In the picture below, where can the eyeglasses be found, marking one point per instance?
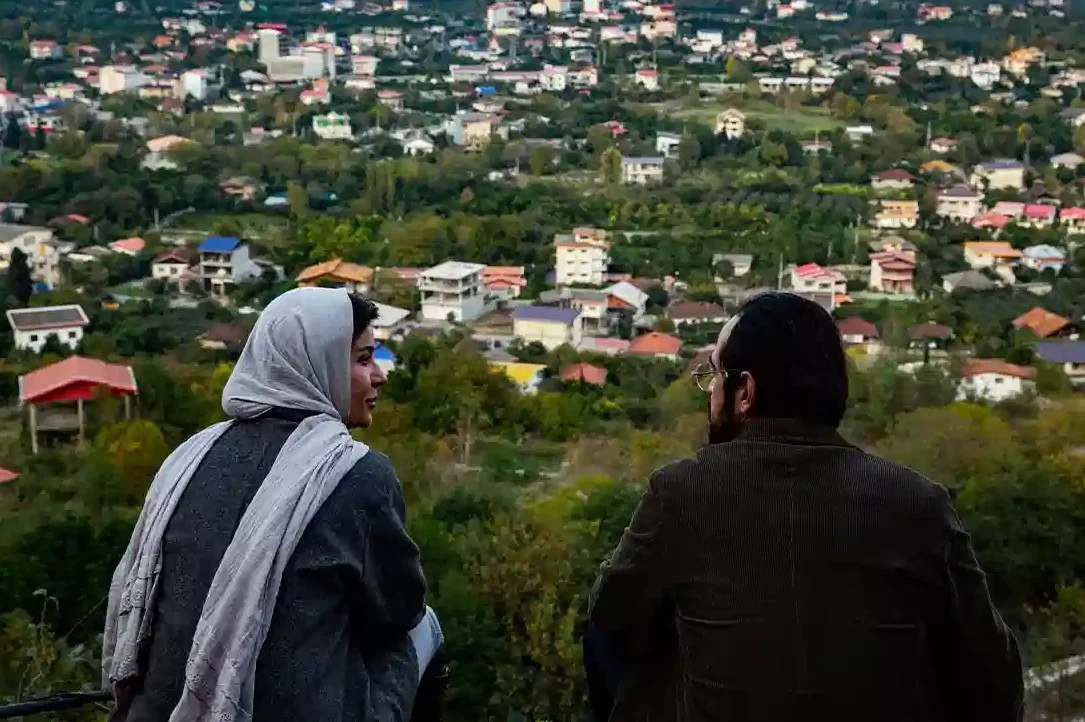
(705, 373)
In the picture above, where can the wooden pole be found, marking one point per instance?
(34, 429)
(127, 407)
(79, 414)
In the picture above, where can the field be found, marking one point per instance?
(803, 122)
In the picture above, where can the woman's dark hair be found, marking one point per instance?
(364, 312)
(791, 347)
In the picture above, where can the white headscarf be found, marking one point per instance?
(297, 357)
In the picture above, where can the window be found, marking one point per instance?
(999, 380)
(33, 337)
(72, 334)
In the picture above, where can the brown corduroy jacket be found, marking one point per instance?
(788, 575)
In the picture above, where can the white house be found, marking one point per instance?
(624, 296)
(453, 289)
(812, 278)
(642, 170)
(418, 144)
(582, 257)
(391, 322)
(730, 123)
(994, 380)
(959, 203)
(667, 144)
(34, 326)
(333, 126)
(172, 265)
(41, 249)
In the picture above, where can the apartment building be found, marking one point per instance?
(453, 290)
(582, 257)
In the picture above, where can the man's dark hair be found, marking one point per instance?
(792, 348)
(364, 312)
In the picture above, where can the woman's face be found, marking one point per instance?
(366, 378)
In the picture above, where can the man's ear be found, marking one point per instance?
(747, 394)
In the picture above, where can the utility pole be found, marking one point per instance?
(157, 227)
(780, 274)
(928, 134)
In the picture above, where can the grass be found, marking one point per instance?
(804, 121)
(252, 224)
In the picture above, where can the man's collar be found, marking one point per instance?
(790, 431)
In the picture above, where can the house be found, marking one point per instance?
(857, 330)
(1012, 209)
(999, 174)
(1042, 257)
(1074, 117)
(41, 249)
(895, 179)
(417, 144)
(242, 187)
(1072, 220)
(223, 336)
(966, 281)
(332, 126)
(527, 377)
(472, 130)
(391, 322)
(647, 78)
(892, 242)
(582, 257)
(1043, 323)
(943, 146)
(224, 261)
(392, 99)
(994, 380)
(45, 50)
(929, 334)
(741, 263)
(690, 312)
(548, 325)
(605, 345)
(987, 254)
(892, 272)
(585, 373)
(959, 203)
(667, 144)
(33, 327)
(1067, 160)
(337, 272)
(642, 169)
(624, 296)
(991, 219)
(384, 358)
(128, 246)
(453, 290)
(657, 345)
(897, 214)
(730, 123)
(172, 265)
(1038, 216)
(504, 282)
(812, 278)
(1070, 355)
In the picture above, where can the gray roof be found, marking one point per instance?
(643, 160)
(546, 313)
(11, 231)
(969, 279)
(1061, 352)
(30, 319)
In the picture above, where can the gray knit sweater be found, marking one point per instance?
(337, 648)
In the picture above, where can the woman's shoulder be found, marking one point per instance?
(372, 477)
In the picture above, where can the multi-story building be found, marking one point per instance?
(42, 252)
(453, 290)
(549, 325)
(893, 272)
(120, 79)
(223, 262)
(472, 130)
(988, 254)
(897, 214)
(642, 170)
(959, 203)
(998, 174)
(582, 257)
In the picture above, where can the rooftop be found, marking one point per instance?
(655, 344)
(1041, 322)
(981, 366)
(46, 317)
(1061, 352)
(551, 314)
(220, 244)
(452, 271)
(44, 383)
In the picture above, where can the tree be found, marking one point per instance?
(689, 151)
(773, 153)
(298, 200)
(610, 163)
(1079, 139)
(19, 280)
(539, 160)
(736, 71)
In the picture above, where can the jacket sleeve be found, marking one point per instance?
(631, 588)
(978, 662)
(391, 592)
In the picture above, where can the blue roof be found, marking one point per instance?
(546, 313)
(1002, 164)
(383, 353)
(1043, 250)
(1061, 352)
(486, 90)
(219, 244)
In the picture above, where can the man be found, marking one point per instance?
(784, 574)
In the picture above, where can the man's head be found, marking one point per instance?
(780, 356)
(366, 377)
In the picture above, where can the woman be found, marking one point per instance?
(270, 575)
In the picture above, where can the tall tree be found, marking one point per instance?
(19, 281)
(610, 163)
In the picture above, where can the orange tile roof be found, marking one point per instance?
(655, 344)
(978, 366)
(1041, 322)
(1002, 249)
(75, 369)
(588, 373)
(336, 269)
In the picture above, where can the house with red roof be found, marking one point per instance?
(128, 246)
(994, 380)
(1044, 323)
(895, 179)
(586, 373)
(893, 272)
(991, 219)
(1072, 220)
(857, 330)
(656, 345)
(1039, 216)
(504, 281)
(810, 277)
(687, 312)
